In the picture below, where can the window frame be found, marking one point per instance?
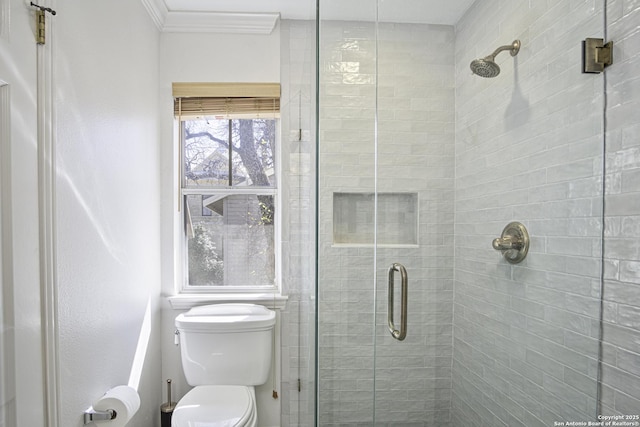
(267, 292)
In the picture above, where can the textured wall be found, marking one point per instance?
(621, 333)
(415, 98)
(528, 148)
(107, 205)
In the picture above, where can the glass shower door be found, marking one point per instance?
(385, 206)
(346, 215)
(415, 221)
(422, 164)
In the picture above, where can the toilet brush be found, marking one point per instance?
(166, 409)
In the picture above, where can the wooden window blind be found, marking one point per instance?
(226, 100)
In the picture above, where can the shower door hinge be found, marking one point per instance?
(596, 55)
(40, 27)
(41, 22)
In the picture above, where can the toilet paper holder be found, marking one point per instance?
(91, 415)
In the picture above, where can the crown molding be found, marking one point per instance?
(215, 22)
(158, 11)
(209, 22)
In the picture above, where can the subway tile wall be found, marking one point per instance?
(529, 149)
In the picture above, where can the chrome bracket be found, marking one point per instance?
(91, 415)
(514, 242)
(596, 55)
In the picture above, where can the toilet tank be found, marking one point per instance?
(226, 344)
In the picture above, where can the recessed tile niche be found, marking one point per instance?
(353, 219)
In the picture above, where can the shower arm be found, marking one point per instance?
(513, 47)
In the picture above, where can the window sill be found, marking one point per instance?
(187, 301)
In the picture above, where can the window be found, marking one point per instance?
(228, 190)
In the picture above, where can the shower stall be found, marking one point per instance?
(421, 164)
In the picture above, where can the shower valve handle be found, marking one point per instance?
(507, 243)
(514, 242)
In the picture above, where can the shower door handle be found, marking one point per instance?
(402, 333)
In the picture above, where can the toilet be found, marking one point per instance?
(226, 351)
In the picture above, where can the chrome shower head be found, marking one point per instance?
(487, 67)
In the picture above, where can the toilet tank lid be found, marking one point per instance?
(227, 317)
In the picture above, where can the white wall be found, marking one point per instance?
(107, 199)
(204, 57)
(101, 249)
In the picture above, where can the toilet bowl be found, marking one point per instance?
(226, 351)
(216, 406)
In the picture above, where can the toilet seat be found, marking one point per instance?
(216, 406)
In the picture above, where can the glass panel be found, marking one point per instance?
(253, 148)
(346, 161)
(230, 240)
(415, 144)
(298, 154)
(206, 152)
(489, 343)
(621, 327)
